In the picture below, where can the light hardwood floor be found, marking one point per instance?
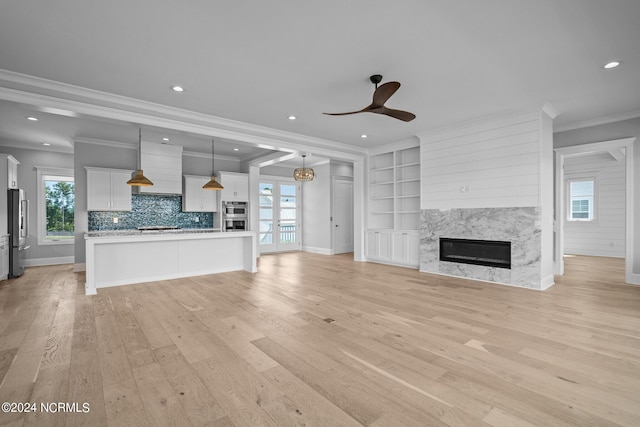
(403, 348)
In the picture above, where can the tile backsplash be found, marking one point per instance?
(150, 210)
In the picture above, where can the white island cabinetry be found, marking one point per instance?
(117, 259)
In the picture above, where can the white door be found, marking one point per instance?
(342, 216)
(279, 216)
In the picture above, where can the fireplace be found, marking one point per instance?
(490, 253)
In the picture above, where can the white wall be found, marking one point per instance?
(497, 159)
(316, 211)
(606, 235)
(27, 180)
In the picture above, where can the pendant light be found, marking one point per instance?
(139, 180)
(303, 173)
(212, 184)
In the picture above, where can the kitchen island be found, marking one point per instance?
(127, 257)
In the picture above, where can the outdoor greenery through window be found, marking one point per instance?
(60, 207)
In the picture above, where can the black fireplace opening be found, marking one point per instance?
(490, 253)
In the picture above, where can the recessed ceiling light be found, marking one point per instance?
(363, 136)
(177, 88)
(166, 139)
(612, 64)
(292, 117)
(33, 119)
(236, 149)
(46, 144)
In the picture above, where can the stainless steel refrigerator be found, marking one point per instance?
(18, 228)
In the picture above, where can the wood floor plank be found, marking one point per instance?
(323, 340)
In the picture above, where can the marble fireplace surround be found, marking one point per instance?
(519, 225)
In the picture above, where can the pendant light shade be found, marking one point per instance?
(303, 173)
(139, 180)
(213, 184)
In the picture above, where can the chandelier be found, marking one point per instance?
(303, 173)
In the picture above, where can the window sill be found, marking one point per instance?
(56, 242)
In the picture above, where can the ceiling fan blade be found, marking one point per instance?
(405, 116)
(383, 93)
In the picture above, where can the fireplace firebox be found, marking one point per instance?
(490, 253)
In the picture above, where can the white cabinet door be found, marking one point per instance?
(107, 189)
(406, 248)
(4, 255)
(120, 191)
(12, 172)
(197, 199)
(98, 190)
(236, 186)
(379, 245)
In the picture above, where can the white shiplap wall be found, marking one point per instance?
(606, 235)
(497, 160)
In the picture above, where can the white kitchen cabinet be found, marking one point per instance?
(8, 179)
(197, 199)
(236, 186)
(162, 165)
(4, 260)
(405, 248)
(12, 172)
(107, 189)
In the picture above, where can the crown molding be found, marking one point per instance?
(32, 90)
(51, 148)
(114, 144)
(596, 122)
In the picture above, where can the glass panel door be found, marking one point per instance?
(279, 216)
(266, 199)
(288, 217)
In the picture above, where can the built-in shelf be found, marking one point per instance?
(394, 190)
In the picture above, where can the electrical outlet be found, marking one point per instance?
(115, 219)
(196, 219)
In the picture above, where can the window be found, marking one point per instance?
(581, 199)
(56, 206)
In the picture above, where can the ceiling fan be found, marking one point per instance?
(380, 96)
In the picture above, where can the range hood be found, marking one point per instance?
(162, 164)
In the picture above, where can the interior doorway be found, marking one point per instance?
(561, 200)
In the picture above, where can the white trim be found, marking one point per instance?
(37, 262)
(598, 121)
(321, 251)
(79, 267)
(130, 110)
(547, 282)
(582, 149)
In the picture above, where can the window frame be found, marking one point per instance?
(45, 174)
(581, 178)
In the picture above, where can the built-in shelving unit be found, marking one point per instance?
(394, 206)
(394, 190)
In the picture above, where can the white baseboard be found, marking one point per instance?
(547, 282)
(37, 262)
(79, 267)
(322, 251)
(634, 279)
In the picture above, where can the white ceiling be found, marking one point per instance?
(258, 62)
